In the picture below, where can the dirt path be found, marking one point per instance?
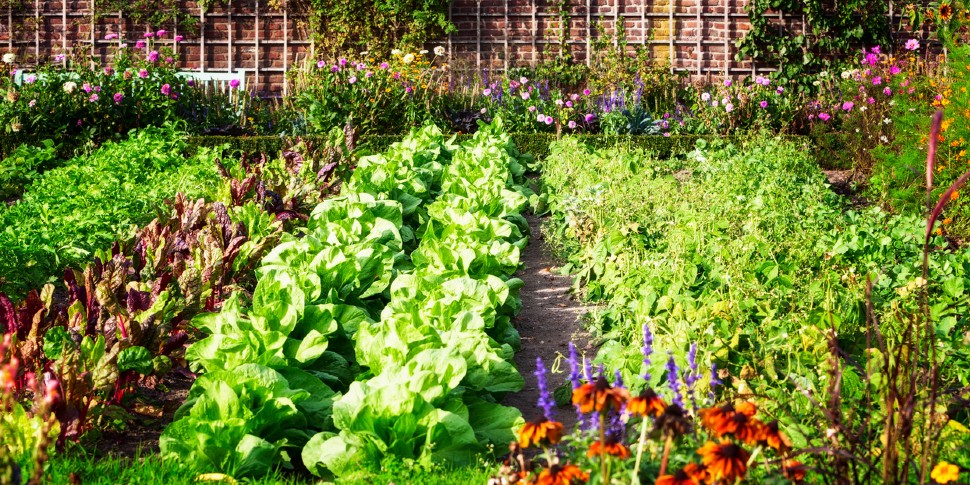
(549, 320)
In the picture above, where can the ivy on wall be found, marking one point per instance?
(838, 29)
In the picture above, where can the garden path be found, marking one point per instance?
(550, 318)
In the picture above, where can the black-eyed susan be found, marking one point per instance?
(697, 472)
(774, 438)
(647, 403)
(725, 461)
(673, 421)
(718, 418)
(747, 408)
(610, 447)
(946, 12)
(793, 470)
(679, 478)
(945, 472)
(562, 475)
(541, 432)
(599, 396)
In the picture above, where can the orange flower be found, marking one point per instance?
(672, 422)
(774, 438)
(946, 12)
(679, 478)
(945, 472)
(718, 418)
(747, 408)
(541, 432)
(697, 472)
(648, 403)
(562, 475)
(726, 461)
(793, 470)
(599, 396)
(612, 447)
(749, 430)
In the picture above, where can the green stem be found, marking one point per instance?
(641, 445)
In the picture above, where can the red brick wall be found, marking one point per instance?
(697, 36)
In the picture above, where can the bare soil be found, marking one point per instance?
(844, 184)
(550, 318)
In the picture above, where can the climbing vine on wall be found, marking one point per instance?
(838, 28)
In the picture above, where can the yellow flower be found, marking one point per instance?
(945, 472)
(955, 195)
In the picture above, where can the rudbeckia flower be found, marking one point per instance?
(562, 475)
(540, 433)
(648, 403)
(793, 470)
(610, 447)
(725, 461)
(599, 396)
(774, 438)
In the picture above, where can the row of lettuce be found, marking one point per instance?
(383, 329)
(746, 253)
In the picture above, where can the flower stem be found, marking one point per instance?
(642, 444)
(663, 461)
(604, 471)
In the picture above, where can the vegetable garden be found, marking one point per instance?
(767, 276)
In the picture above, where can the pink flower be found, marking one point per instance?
(484, 110)
(143, 73)
(894, 70)
(876, 81)
(149, 35)
(118, 97)
(824, 116)
(888, 91)
(153, 56)
(335, 68)
(847, 106)
(108, 71)
(140, 44)
(161, 33)
(912, 44)
(586, 92)
(93, 98)
(179, 38)
(871, 100)
(169, 60)
(233, 84)
(540, 118)
(589, 117)
(729, 107)
(763, 104)
(548, 120)
(569, 104)
(525, 95)
(320, 64)
(111, 36)
(369, 74)
(384, 65)
(876, 50)
(532, 109)
(761, 80)
(352, 79)
(779, 90)
(572, 125)
(166, 89)
(86, 87)
(727, 83)
(523, 80)
(342, 62)
(574, 97)
(361, 66)
(487, 92)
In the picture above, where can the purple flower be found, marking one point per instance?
(59, 58)
(93, 98)
(149, 35)
(586, 92)
(763, 104)
(727, 83)
(408, 90)
(352, 79)
(548, 120)
(118, 97)
(335, 68)
(234, 83)
(912, 44)
(546, 403)
(779, 90)
(847, 106)
(876, 81)
(153, 56)
(589, 117)
(617, 378)
(647, 351)
(342, 62)
(714, 382)
(888, 91)
(320, 64)
(108, 71)
(673, 381)
(179, 38)
(140, 44)
(872, 59)
(166, 89)
(574, 366)
(190, 82)
(161, 33)
(824, 116)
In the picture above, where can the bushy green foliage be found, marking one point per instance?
(70, 212)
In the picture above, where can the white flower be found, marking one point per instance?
(395, 52)
(409, 58)
(706, 97)
(883, 139)
(887, 121)
(423, 51)
(362, 54)
(15, 126)
(69, 87)
(862, 108)
(9, 58)
(846, 74)
(816, 83)
(439, 51)
(823, 74)
(714, 103)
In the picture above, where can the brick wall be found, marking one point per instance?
(697, 36)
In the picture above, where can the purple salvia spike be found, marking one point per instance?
(673, 381)
(545, 401)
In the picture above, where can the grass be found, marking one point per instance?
(78, 466)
